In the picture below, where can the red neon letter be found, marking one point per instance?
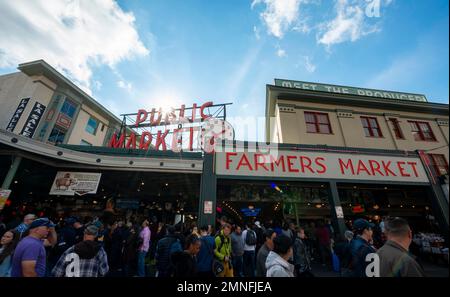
(244, 162)
(262, 164)
(362, 167)
(346, 166)
(375, 169)
(413, 165)
(131, 141)
(227, 159)
(116, 143)
(277, 162)
(152, 117)
(386, 168)
(141, 116)
(161, 140)
(308, 165)
(290, 169)
(204, 105)
(402, 170)
(318, 163)
(143, 144)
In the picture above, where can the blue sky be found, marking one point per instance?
(143, 54)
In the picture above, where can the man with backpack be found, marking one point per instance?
(164, 249)
(205, 256)
(250, 240)
(223, 252)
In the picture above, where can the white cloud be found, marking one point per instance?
(281, 53)
(97, 85)
(279, 15)
(124, 85)
(309, 66)
(73, 36)
(256, 31)
(348, 25)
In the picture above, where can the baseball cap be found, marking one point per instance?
(91, 230)
(41, 222)
(361, 224)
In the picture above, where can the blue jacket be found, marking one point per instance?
(206, 254)
(359, 249)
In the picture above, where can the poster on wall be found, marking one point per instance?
(71, 183)
(208, 207)
(4, 195)
(33, 120)
(17, 114)
(339, 212)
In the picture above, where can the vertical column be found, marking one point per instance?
(335, 203)
(11, 172)
(208, 191)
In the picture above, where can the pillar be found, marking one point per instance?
(11, 172)
(208, 191)
(336, 202)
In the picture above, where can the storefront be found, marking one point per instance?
(58, 181)
(308, 183)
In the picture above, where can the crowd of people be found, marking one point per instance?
(107, 246)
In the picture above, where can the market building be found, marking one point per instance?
(55, 137)
(335, 153)
(343, 153)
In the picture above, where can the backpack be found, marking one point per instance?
(250, 238)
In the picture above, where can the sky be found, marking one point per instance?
(162, 53)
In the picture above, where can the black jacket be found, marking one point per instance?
(184, 265)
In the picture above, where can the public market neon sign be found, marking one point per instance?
(178, 122)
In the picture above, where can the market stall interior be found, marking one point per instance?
(300, 202)
(163, 197)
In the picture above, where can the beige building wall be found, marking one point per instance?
(347, 129)
(79, 130)
(16, 86)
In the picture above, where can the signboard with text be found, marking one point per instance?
(349, 90)
(320, 165)
(71, 183)
(4, 195)
(33, 120)
(17, 114)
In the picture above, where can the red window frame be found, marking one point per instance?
(369, 127)
(397, 129)
(439, 162)
(317, 124)
(419, 133)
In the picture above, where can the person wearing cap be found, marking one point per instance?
(23, 227)
(395, 258)
(360, 247)
(85, 259)
(29, 258)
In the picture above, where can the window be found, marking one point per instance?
(397, 130)
(371, 127)
(92, 126)
(57, 135)
(84, 142)
(422, 131)
(68, 108)
(317, 122)
(439, 163)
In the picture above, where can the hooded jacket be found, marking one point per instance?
(278, 267)
(85, 259)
